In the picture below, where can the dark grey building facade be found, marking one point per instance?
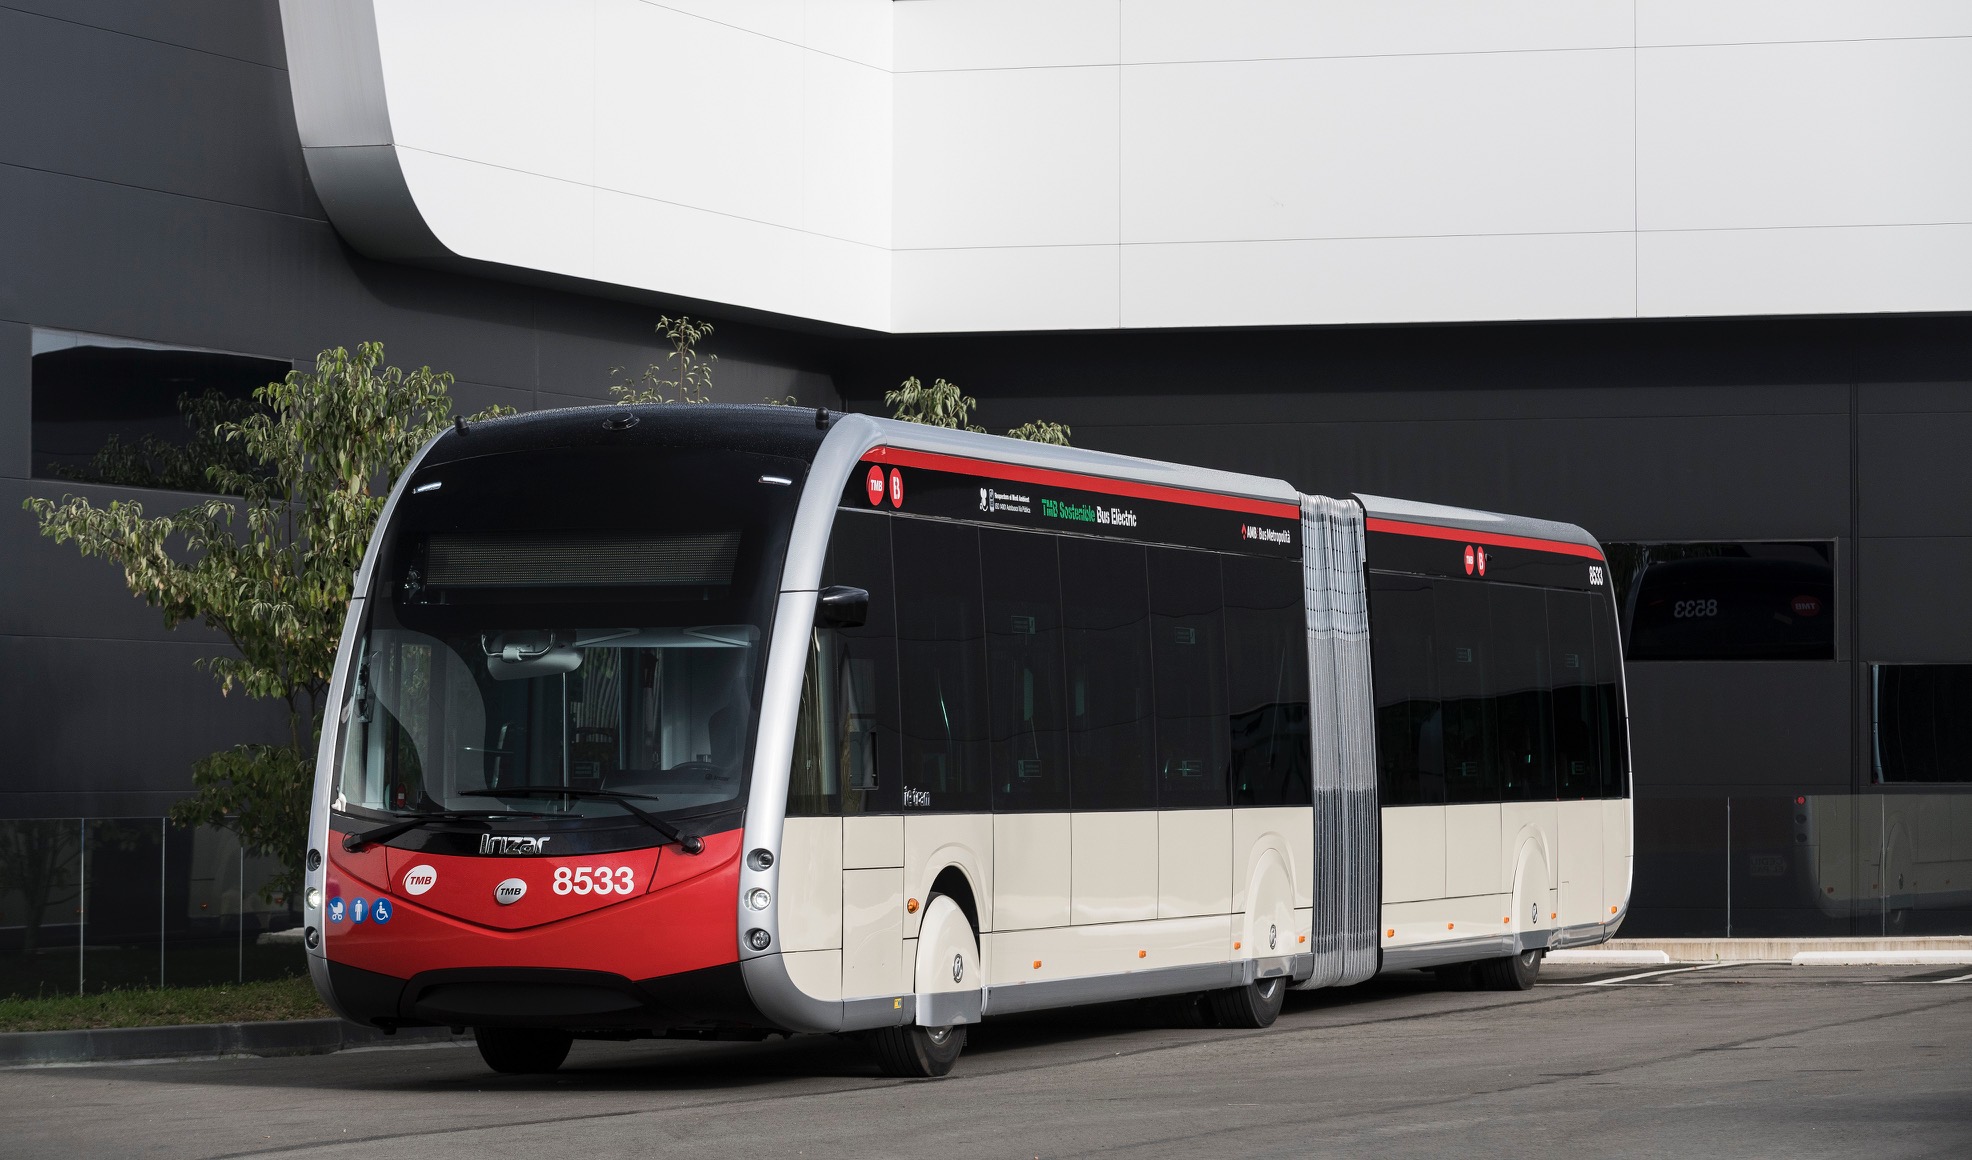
(153, 196)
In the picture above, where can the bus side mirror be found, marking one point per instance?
(840, 606)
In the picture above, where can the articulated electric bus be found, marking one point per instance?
(715, 722)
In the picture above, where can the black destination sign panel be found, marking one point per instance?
(1053, 502)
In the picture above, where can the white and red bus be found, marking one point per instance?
(726, 721)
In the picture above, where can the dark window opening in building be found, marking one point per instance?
(110, 410)
(1721, 601)
(1920, 725)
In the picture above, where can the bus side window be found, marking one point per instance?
(1610, 733)
(1188, 668)
(1106, 610)
(1578, 756)
(845, 748)
(941, 644)
(1464, 657)
(1267, 682)
(1523, 700)
(1024, 671)
(1410, 743)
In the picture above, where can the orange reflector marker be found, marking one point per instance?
(1612, 910)
(1037, 964)
(911, 907)
(1391, 933)
(1304, 938)
(1553, 914)
(1448, 926)
(1142, 954)
(1506, 918)
(1235, 944)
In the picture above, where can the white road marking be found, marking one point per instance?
(1651, 975)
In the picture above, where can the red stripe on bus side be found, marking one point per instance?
(1467, 536)
(1016, 474)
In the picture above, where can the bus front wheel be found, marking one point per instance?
(522, 1050)
(917, 1052)
(1255, 1005)
(1512, 973)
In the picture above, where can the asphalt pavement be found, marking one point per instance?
(1738, 1060)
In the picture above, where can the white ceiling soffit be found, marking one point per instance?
(1000, 165)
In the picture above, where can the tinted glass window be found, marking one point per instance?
(1611, 732)
(115, 411)
(1522, 700)
(1410, 744)
(1727, 601)
(1105, 599)
(1923, 722)
(1267, 681)
(1188, 668)
(1463, 654)
(845, 747)
(1024, 672)
(1579, 741)
(941, 646)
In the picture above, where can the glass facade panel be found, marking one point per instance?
(122, 903)
(40, 906)
(1726, 600)
(202, 886)
(1921, 722)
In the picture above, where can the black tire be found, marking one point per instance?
(1253, 1006)
(1512, 973)
(522, 1050)
(917, 1052)
(1457, 976)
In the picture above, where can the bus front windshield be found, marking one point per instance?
(445, 722)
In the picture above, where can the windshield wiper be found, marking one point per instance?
(389, 830)
(686, 842)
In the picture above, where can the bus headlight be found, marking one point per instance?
(313, 897)
(757, 899)
(760, 859)
(759, 939)
(313, 938)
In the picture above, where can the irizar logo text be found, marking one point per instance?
(503, 844)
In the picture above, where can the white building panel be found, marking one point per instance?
(952, 165)
(1009, 288)
(1187, 30)
(1417, 146)
(1770, 21)
(1005, 157)
(1757, 136)
(1474, 278)
(941, 35)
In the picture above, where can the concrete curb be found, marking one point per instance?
(204, 1041)
(1866, 951)
(1618, 958)
(1891, 958)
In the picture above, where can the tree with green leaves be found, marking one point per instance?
(684, 377)
(942, 404)
(271, 569)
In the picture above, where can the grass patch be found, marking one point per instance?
(166, 1007)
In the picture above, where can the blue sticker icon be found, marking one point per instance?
(335, 910)
(380, 911)
(356, 909)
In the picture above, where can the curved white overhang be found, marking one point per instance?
(965, 165)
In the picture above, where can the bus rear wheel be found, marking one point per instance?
(917, 1052)
(1253, 1006)
(1512, 973)
(522, 1050)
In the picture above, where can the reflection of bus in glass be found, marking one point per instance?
(721, 722)
(1733, 602)
(1893, 864)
